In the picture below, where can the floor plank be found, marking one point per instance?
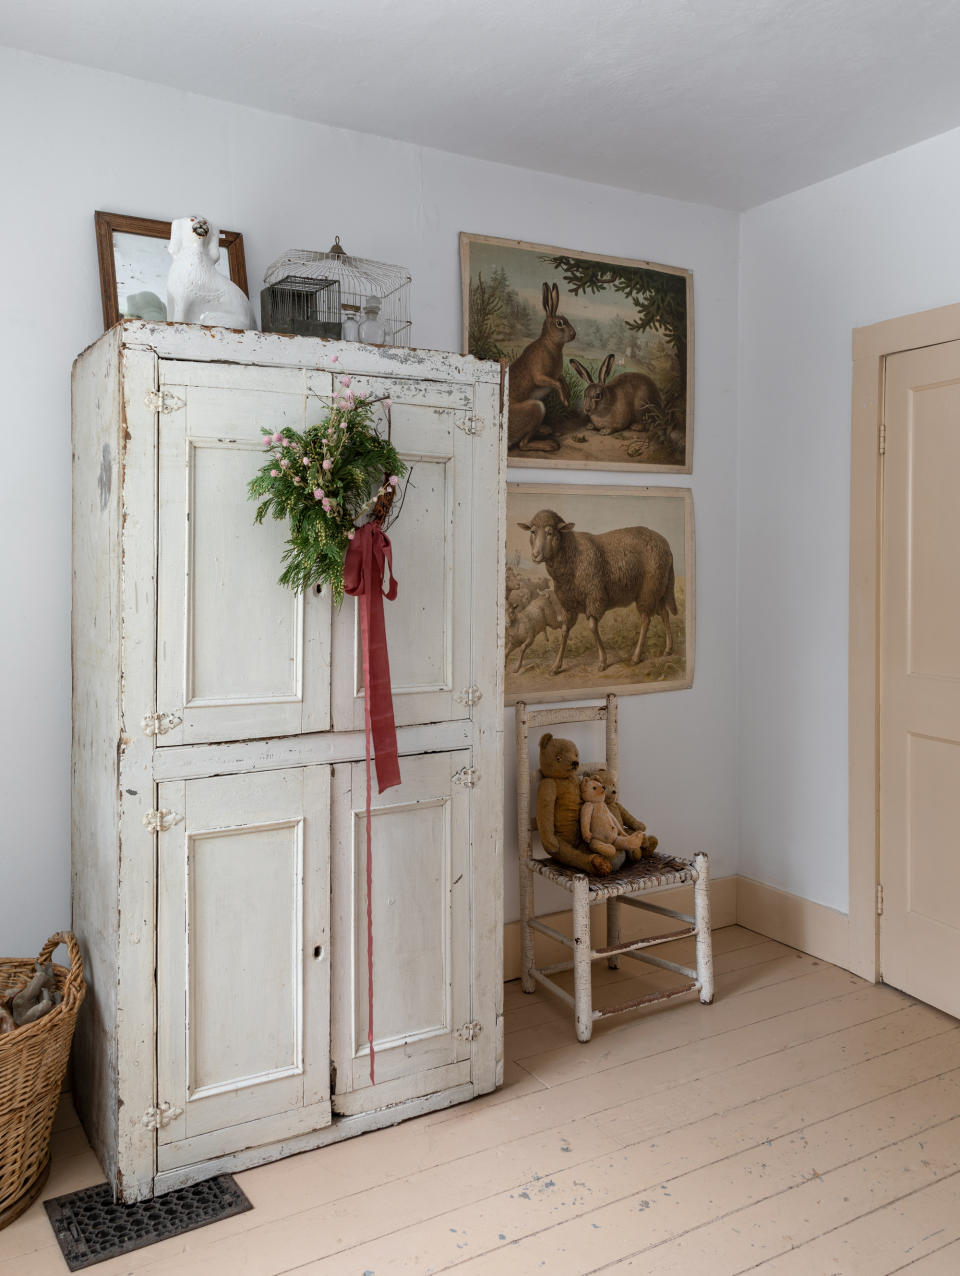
(806, 1124)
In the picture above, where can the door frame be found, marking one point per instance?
(872, 346)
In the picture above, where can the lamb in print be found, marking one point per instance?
(527, 623)
(593, 573)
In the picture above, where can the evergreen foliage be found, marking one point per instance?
(324, 481)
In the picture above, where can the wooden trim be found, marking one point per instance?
(907, 332)
(634, 924)
(802, 923)
(871, 347)
(107, 223)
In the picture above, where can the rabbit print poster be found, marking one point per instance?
(600, 591)
(600, 351)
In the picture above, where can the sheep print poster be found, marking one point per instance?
(600, 352)
(600, 591)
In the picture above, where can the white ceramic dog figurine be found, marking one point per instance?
(196, 291)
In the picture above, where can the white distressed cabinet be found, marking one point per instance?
(219, 794)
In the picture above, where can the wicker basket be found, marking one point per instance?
(33, 1061)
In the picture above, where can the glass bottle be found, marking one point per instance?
(349, 324)
(372, 330)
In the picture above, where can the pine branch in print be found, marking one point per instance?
(600, 352)
(600, 591)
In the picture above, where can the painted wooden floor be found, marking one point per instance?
(806, 1124)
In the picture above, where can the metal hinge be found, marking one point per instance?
(879, 899)
(159, 1117)
(471, 425)
(160, 723)
(883, 437)
(470, 1031)
(469, 697)
(160, 821)
(468, 776)
(163, 401)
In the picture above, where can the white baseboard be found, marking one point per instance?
(813, 928)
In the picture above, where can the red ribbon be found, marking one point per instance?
(367, 555)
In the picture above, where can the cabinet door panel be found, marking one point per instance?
(421, 943)
(428, 625)
(238, 656)
(243, 968)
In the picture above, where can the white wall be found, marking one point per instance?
(878, 241)
(75, 140)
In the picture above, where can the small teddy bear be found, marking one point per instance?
(629, 822)
(600, 827)
(558, 809)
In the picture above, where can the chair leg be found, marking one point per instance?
(701, 909)
(613, 929)
(527, 981)
(581, 958)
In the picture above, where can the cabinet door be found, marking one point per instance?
(238, 656)
(243, 972)
(428, 625)
(421, 940)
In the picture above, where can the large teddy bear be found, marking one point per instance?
(601, 828)
(629, 822)
(558, 810)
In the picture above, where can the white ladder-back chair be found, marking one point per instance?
(625, 886)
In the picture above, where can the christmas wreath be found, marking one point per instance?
(325, 481)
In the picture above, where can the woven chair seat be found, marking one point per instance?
(648, 874)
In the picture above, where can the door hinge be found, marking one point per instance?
(469, 697)
(883, 437)
(163, 401)
(159, 1117)
(470, 1031)
(160, 821)
(470, 425)
(879, 899)
(468, 776)
(161, 723)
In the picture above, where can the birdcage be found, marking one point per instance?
(335, 295)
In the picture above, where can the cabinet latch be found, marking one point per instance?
(468, 776)
(470, 1031)
(161, 723)
(469, 697)
(160, 821)
(163, 401)
(470, 424)
(159, 1117)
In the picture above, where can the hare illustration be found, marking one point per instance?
(537, 370)
(619, 405)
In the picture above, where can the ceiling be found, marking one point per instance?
(726, 102)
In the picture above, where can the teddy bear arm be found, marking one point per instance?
(546, 800)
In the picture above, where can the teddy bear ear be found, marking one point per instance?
(545, 740)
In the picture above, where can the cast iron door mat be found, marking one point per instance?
(90, 1228)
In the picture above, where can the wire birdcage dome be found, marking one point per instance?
(329, 290)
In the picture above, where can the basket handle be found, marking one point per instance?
(74, 983)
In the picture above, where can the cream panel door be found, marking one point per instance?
(422, 940)
(243, 969)
(428, 625)
(920, 677)
(238, 656)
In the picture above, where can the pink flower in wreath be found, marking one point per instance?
(274, 473)
(318, 493)
(351, 534)
(326, 506)
(334, 358)
(268, 441)
(394, 480)
(285, 464)
(276, 438)
(388, 403)
(345, 382)
(328, 464)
